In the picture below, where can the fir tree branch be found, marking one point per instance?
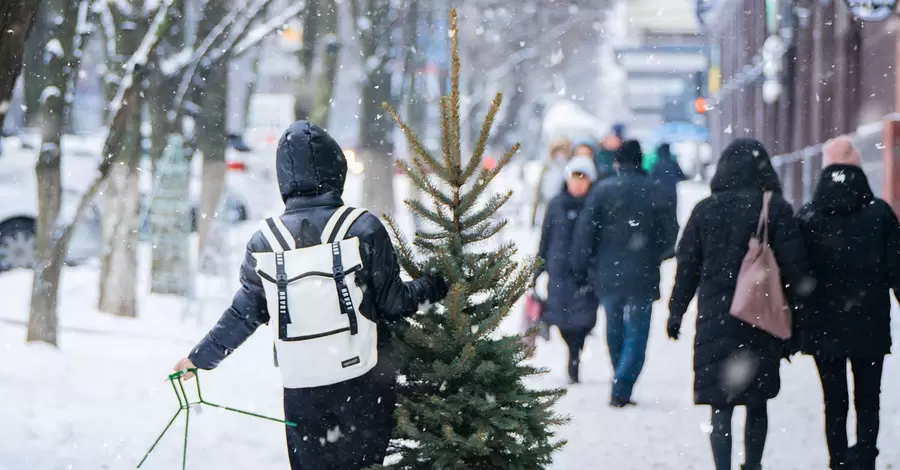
(419, 208)
(419, 177)
(480, 146)
(412, 139)
(482, 231)
(407, 256)
(490, 208)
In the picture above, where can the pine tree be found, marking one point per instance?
(464, 403)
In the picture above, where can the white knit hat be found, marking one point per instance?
(583, 165)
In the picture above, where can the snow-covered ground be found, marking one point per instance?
(99, 401)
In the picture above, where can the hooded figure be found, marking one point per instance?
(666, 172)
(552, 176)
(622, 236)
(853, 241)
(311, 170)
(734, 362)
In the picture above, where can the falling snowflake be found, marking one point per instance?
(838, 177)
(728, 129)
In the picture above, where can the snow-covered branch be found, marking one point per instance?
(108, 25)
(121, 106)
(233, 46)
(259, 33)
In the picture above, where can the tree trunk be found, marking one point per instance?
(119, 227)
(304, 93)
(212, 143)
(16, 20)
(331, 53)
(49, 252)
(376, 145)
(122, 197)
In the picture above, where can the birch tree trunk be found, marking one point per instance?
(212, 142)
(331, 52)
(375, 139)
(122, 197)
(17, 18)
(119, 227)
(42, 318)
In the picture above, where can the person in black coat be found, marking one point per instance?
(667, 173)
(569, 306)
(625, 231)
(853, 241)
(735, 364)
(311, 170)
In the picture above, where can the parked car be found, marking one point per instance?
(18, 226)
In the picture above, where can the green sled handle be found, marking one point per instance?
(185, 404)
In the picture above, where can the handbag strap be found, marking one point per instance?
(762, 227)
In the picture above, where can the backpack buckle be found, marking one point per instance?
(338, 273)
(281, 280)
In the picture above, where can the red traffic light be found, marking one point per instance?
(700, 105)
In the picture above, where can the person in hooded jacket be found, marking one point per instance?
(622, 236)
(853, 241)
(735, 364)
(570, 307)
(667, 173)
(355, 416)
(604, 156)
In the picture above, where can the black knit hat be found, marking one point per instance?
(629, 154)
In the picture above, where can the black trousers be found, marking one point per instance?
(343, 426)
(867, 396)
(755, 431)
(574, 339)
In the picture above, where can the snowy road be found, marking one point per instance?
(99, 401)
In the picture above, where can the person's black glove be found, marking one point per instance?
(437, 287)
(673, 327)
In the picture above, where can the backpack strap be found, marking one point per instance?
(335, 231)
(341, 231)
(274, 234)
(334, 222)
(276, 240)
(343, 292)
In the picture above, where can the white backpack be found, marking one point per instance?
(313, 300)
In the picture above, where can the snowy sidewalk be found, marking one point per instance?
(100, 400)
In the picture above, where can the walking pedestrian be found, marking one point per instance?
(735, 364)
(622, 236)
(853, 241)
(569, 306)
(667, 173)
(339, 385)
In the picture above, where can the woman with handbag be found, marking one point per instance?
(569, 306)
(741, 227)
(853, 239)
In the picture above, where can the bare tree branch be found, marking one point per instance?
(129, 86)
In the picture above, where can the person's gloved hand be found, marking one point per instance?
(673, 327)
(437, 287)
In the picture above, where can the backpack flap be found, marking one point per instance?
(309, 282)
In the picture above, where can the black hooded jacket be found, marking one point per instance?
(311, 170)
(709, 255)
(625, 231)
(853, 240)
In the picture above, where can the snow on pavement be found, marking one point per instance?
(101, 399)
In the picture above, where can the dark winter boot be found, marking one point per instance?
(620, 402)
(751, 467)
(236, 142)
(861, 459)
(573, 371)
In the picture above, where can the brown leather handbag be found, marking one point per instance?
(759, 294)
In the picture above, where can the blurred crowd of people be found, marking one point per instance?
(609, 222)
